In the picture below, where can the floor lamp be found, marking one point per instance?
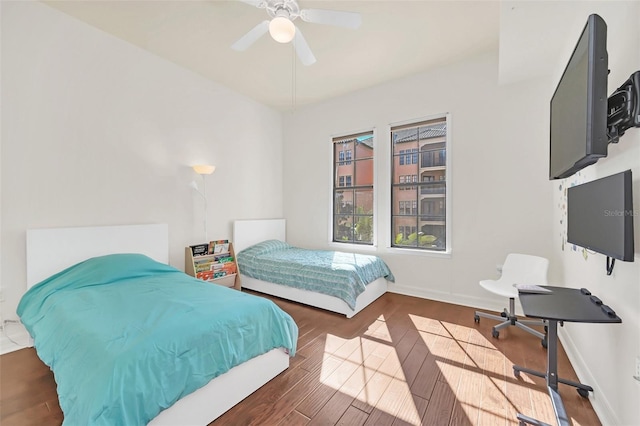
(203, 170)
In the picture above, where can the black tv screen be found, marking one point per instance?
(578, 135)
(600, 216)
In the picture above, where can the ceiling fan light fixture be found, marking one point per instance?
(282, 29)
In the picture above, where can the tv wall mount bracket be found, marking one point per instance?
(623, 108)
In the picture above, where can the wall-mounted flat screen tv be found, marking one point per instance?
(579, 105)
(600, 216)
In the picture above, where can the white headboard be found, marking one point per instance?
(54, 249)
(249, 232)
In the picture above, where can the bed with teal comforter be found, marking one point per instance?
(126, 336)
(334, 273)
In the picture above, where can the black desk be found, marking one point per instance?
(562, 304)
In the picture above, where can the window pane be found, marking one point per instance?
(363, 229)
(364, 172)
(364, 201)
(419, 185)
(401, 195)
(343, 202)
(343, 228)
(364, 147)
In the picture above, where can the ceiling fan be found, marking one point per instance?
(283, 30)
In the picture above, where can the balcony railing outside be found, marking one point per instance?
(432, 189)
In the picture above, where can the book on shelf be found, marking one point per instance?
(200, 249)
(205, 275)
(532, 288)
(219, 246)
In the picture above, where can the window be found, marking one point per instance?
(353, 189)
(419, 185)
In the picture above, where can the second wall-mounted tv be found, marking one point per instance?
(579, 105)
(600, 216)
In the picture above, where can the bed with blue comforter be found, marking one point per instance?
(339, 274)
(126, 336)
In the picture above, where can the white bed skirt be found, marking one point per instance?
(220, 394)
(373, 290)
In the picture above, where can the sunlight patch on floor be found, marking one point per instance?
(370, 368)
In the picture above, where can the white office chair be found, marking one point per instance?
(517, 269)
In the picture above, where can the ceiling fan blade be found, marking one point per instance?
(251, 37)
(332, 17)
(256, 3)
(302, 48)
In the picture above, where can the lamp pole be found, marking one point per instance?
(203, 170)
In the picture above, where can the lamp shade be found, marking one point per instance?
(203, 169)
(282, 29)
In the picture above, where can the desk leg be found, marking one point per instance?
(552, 374)
(552, 355)
(552, 379)
(552, 365)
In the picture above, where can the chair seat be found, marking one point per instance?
(521, 269)
(500, 288)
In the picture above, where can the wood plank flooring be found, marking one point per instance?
(402, 361)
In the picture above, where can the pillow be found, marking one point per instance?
(96, 271)
(106, 269)
(265, 247)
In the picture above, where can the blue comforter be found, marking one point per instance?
(339, 274)
(126, 337)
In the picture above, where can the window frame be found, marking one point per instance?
(375, 160)
(389, 238)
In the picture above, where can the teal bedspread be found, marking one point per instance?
(339, 274)
(126, 336)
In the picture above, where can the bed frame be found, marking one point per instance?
(51, 250)
(249, 232)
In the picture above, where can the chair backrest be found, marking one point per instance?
(525, 269)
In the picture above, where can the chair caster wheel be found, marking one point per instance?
(543, 342)
(583, 393)
(503, 314)
(495, 333)
(516, 373)
(476, 318)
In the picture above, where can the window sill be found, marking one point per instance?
(416, 252)
(389, 250)
(352, 247)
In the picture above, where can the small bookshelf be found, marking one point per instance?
(214, 262)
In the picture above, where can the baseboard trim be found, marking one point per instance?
(456, 299)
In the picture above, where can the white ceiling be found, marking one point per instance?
(396, 39)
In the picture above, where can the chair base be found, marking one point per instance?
(508, 317)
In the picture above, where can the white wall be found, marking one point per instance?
(96, 131)
(605, 355)
(499, 174)
(502, 199)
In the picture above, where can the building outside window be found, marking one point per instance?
(348, 157)
(353, 189)
(419, 185)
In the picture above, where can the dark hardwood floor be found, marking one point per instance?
(401, 361)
